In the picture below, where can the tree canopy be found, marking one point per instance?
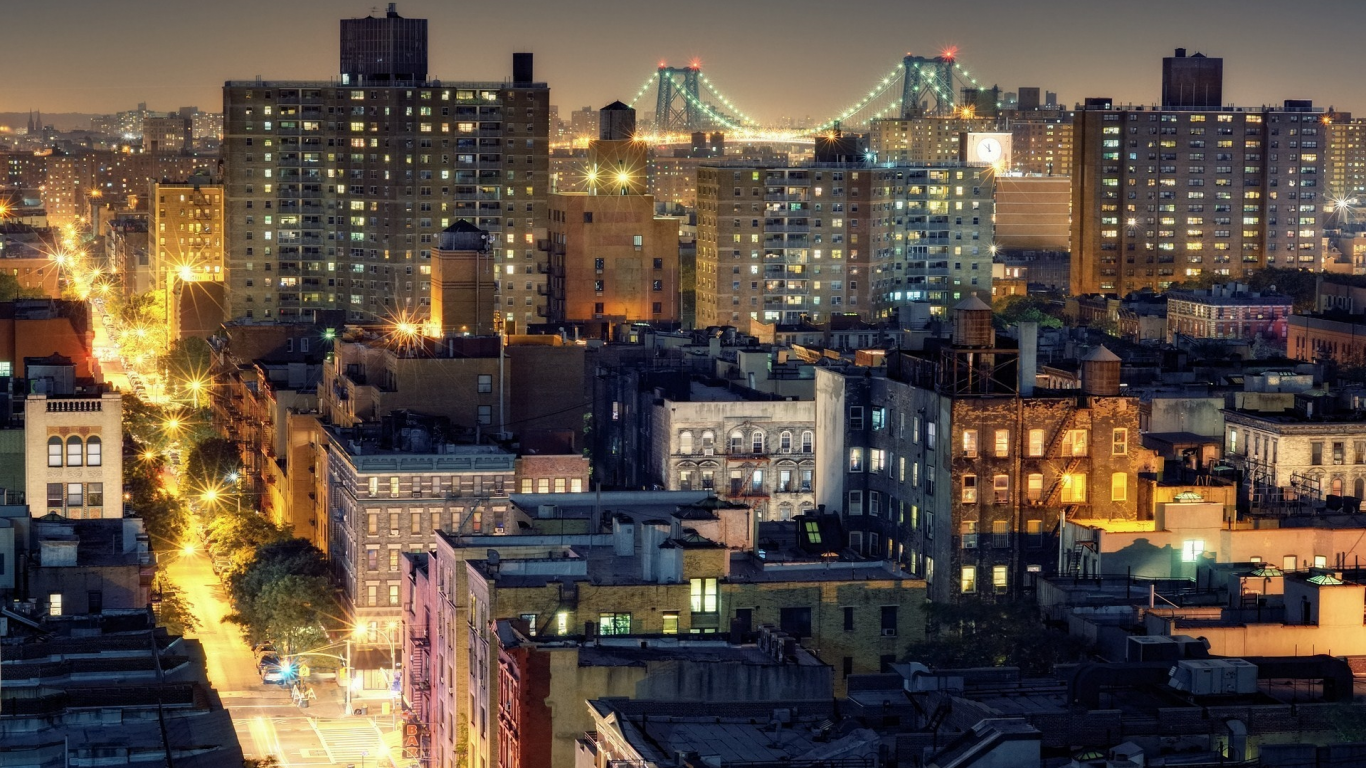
(980, 633)
(283, 594)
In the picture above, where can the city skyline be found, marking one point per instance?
(590, 58)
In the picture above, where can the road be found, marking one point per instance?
(267, 722)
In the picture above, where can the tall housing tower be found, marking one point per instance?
(338, 191)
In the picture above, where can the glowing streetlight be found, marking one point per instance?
(187, 550)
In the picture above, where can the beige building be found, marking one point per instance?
(186, 232)
(73, 450)
(925, 140)
(1345, 166)
(1033, 213)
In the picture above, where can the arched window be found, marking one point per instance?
(785, 442)
(54, 451)
(784, 511)
(685, 442)
(74, 451)
(737, 441)
(808, 441)
(757, 442)
(708, 442)
(1336, 486)
(94, 455)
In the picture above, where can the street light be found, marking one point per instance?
(389, 631)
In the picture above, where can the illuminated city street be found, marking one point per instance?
(726, 385)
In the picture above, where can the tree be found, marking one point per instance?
(10, 290)
(211, 461)
(188, 357)
(1011, 310)
(174, 613)
(283, 594)
(980, 633)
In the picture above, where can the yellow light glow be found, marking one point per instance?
(210, 495)
(623, 177)
(187, 550)
(185, 273)
(359, 631)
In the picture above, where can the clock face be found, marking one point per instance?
(988, 150)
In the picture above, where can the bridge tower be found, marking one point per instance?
(924, 78)
(678, 105)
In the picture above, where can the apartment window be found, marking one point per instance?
(855, 459)
(1338, 453)
(856, 502)
(848, 619)
(670, 623)
(969, 489)
(75, 495)
(94, 494)
(74, 451)
(94, 455)
(54, 451)
(54, 604)
(374, 486)
(1036, 442)
(929, 436)
(393, 486)
(614, 623)
(685, 443)
(795, 622)
(415, 523)
(737, 441)
(1316, 453)
(54, 496)
(1119, 442)
(1119, 487)
(889, 621)
(543, 485)
(877, 460)
(393, 523)
(967, 582)
(485, 383)
(1000, 489)
(393, 594)
(1002, 443)
(856, 417)
(704, 595)
(757, 443)
(485, 415)
(1074, 489)
(1034, 487)
(1191, 550)
(372, 523)
(526, 485)
(1034, 532)
(562, 623)
(970, 443)
(785, 442)
(998, 578)
(808, 441)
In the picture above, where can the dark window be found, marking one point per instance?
(889, 621)
(795, 622)
(848, 665)
(885, 663)
(848, 619)
(587, 217)
(95, 601)
(744, 619)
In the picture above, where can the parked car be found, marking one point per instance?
(266, 660)
(263, 649)
(277, 674)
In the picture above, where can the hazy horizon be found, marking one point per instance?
(98, 57)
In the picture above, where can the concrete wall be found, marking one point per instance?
(830, 448)
(1201, 415)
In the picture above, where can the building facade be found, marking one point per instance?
(1161, 196)
(337, 193)
(778, 244)
(73, 452)
(1227, 312)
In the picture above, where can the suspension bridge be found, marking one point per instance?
(686, 100)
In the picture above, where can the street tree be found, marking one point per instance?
(211, 461)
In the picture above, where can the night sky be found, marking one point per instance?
(794, 58)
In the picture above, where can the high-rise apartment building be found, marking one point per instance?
(775, 244)
(1345, 168)
(923, 139)
(1160, 196)
(337, 193)
(1163, 195)
(1041, 141)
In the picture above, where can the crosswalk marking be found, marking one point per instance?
(346, 740)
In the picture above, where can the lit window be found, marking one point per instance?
(1002, 442)
(1120, 442)
(1191, 550)
(968, 582)
(970, 443)
(1074, 489)
(969, 489)
(704, 594)
(1036, 442)
(1119, 487)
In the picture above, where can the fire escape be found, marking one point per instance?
(1071, 560)
(420, 688)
